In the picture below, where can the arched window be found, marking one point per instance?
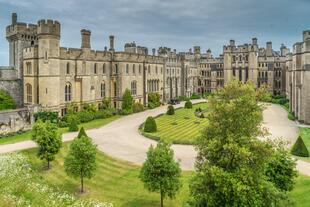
(28, 67)
(103, 68)
(103, 89)
(29, 93)
(68, 68)
(68, 92)
(127, 68)
(95, 68)
(134, 88)
(116, 69)
(134, 69)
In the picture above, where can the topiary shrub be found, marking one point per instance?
(73, 123)
(150, 125)
(188, 105)
(137, 107)
(170, 110)
(86, 116)
(82, 133)
(299, 148)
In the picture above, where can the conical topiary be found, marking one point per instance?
(299, 148)
(170, 110)
(82, 133)
(150, 125)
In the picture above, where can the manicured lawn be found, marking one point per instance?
(115, 181)
(183, 127)
(27, 135)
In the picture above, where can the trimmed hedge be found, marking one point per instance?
(188, 105)
(150, 125)
(170, 110)
(299, 148)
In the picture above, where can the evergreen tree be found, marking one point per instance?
(82, 133)
(299, 148)
(127, 101)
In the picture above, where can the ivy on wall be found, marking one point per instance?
(6, 101)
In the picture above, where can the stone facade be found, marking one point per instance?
(298, 78)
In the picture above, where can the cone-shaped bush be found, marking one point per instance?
(299, 148)
(73, 123)
(188, 105)
(170, 110)
(150, 125)
(82, 133)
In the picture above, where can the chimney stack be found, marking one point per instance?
(111, 43)
(254, 41)
(85, 38)
(232, 43)
(14, 18)
(153, 51)
(269, 49)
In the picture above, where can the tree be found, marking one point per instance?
(299, 148)
(188, 104)
(46, 135)
(160, 173)
(153, 100)
(82, 133)
(170, 110)
(150, 125)
(231, 162)
(73, 123)
(81, 159)
(6, 101)
(127, 101)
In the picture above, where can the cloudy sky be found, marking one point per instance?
(178, 24)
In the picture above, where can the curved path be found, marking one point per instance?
(122, 140)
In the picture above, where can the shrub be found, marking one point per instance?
(82, 133)
(90, 108)
(126, 111)
(150, 125)
(86, 116)
(73, 123)
(46, 116)
(104, 113)
(183, 98)
(188, 105)
(127, 102)
(195, 96)
(202, 115)
(137, 107)
(299, 148)
(151, 105)
(170, 110)
(291, 116)
(6, 101)
(106, 103)
(153, 100)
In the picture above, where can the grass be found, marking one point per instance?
(117, 182)
(181, 128)
(27, 134)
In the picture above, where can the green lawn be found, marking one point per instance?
(181, 128)
(27, 135)
(117, 182)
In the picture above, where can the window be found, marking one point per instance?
(68, 91)
(127, 68)
(102, 89)
(68, 68)
(161, 70)
(134, 69)
(103, 68)
(28, 68)
(29, 93)
(156, 70)
(149, 69)
(45, 56)
(95, 68)
(133, 88)
(139, 69)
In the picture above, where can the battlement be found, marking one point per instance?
(48, 27)
(21, 28)
(30, 52)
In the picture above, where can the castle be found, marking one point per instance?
(52, 76)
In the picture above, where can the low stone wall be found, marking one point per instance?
(15, 120)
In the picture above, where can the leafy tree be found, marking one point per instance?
(150, 125)
(160, 173)
(6, 101)
(82, 133)
(188, 104)
(299, 148)
(81, 159)
(127, 101)
(73, 123)
(46, 135)
(170, 110)
(231, 162)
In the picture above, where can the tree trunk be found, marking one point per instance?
(161, 199)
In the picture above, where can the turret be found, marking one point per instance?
(232, 43)
(254, 41)
(111, 43)
(269, 49)
(209, 54)
(153, 51)
(14, 18)
(48, 27)
(197, 49)
(85, 35)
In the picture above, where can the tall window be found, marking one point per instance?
(29, 93)
(149, 69)
(68, 68)
(68, 92)
(103, 68)
(95, 68)
(139, 69)
(134, 87)
(127, 68)
(134, 69)
(28, 67)
(103, 89)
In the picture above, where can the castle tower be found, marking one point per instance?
(49, 64)
(19, 35)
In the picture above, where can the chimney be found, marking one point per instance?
(232, 43)
(105, 48)
(14, 18)
(190, 50)
(153, 51)
(174, 51)
(269, 49)
(254, 41)
(85, 38)
(111, 43)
